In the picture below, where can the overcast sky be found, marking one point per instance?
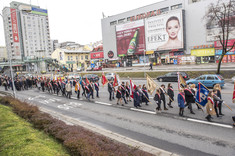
(78, 20)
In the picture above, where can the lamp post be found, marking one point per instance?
(10, 56)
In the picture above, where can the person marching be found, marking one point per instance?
(91, 87)
(162, 95)
(58, 87)
(55, 87)
(181, 102)
(128, 97)
(210, 106)
(68, 88)
(119, 95)
(141, 94)
(145, 96)
(218, 94)
(217, 101)
(170, 92)
(157, 98)
(97, 85)
(194, 91)
(43, 85)
(189, 97)
(83, 88)
(77, 89)
(88, 93)
(110, 89)
(63, 84)
(123, 89)
(136, 98)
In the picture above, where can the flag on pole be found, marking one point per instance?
(234, 93)
(181, 81)
(151, 85)
(87, 81)
(115, 82)
(201, 96)
(132, 88)
(104, 79)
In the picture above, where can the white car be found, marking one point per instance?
(73, 76)
(80, 69)
(110, 76)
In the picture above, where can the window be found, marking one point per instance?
(121, 20)
(76, 57)
(68, 58)
(128, 18)
(178, 6)
(201, 78)
(210, 78)
(164, 9)
(113, 23)
(71, 58)
(86, 57)
(81, 57)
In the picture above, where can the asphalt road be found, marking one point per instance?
(191, 135)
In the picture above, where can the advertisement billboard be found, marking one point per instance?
(165, 32)
(212, 34)
(203, 52)
(230, 43)
(15, 33)
(97, 55)
(39, 11)
(130, 38)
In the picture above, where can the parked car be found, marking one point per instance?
(91, 77)
(79, 69)
(73, 76)
(97, 68)
(208, 80)
(110, 76)
(233, 78)
(89, 69)
(172, 77)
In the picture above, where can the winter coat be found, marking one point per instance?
(210, 106)
(181, 100)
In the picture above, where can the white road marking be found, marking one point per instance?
(145, 111)
(209, 123)
(102, 103)
(74, 98)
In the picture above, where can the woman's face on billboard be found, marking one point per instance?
(173, 28)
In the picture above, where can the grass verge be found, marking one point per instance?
(18, 137)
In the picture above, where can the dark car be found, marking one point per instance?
(172, 77)
(91, 77)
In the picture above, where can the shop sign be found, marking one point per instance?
(149, 52)
(176, 53)
(70, 62)
(229, 43)
(145, 15)
(97, 55)
(203, 52)
(219, 52)
(111, 54)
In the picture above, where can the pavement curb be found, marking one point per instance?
(117, 137)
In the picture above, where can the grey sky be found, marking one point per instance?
(77, 20)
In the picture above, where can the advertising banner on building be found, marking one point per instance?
(97, 55)
(164, 32)
(130, 38)
(230, 43)
(15, 33)
(203, 52)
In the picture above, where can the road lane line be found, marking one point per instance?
(103, 103)
(209, 123)
(145, 111)
(74, 98)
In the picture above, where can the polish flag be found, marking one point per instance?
(132, 88)
(87, 82)
(104, 79)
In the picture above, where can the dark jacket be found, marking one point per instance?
(170, 92)
(97, 86)
(157, 98)
(136, 98)
(110, 87)
(145, 96)
(162, 93)
(118, 94)
(189, 97)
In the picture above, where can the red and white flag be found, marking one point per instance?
(104, 79)
(115, 82)
(132, 88)
(234, 93)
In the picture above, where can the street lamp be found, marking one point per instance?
(10, 57)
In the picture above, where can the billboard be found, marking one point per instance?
(39, 11)
(230, 43)
(203, 52)
(15, 33)
(165, 32)
(130, 38)
(97, 55)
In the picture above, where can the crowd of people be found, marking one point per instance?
(123, 93)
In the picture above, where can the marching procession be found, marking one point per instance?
(124, 92)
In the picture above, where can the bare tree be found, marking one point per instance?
(221, 15)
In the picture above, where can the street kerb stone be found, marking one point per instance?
(111, 135)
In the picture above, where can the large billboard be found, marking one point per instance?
(165, 32)
(14, 25)
(130, 38)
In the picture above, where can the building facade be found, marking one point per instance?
(27, 32)
(167, 32)
(3, 54)
(72, 59)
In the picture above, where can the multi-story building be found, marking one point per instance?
(144, 34)
(72, 59)
(27, 32)
(3, 54)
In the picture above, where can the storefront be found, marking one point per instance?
(229, 57)
(97, 58)
(206, 55)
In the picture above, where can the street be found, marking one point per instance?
(190, 135)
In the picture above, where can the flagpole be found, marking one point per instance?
(199, 106)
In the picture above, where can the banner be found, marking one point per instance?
(201, 96)
(181, 81)
(165, 32)
(97, 55)
(151, 85)
(130, 38)
(14, 25)
(132, 88)
(104, 79)
(203, 52)
(115, 82)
